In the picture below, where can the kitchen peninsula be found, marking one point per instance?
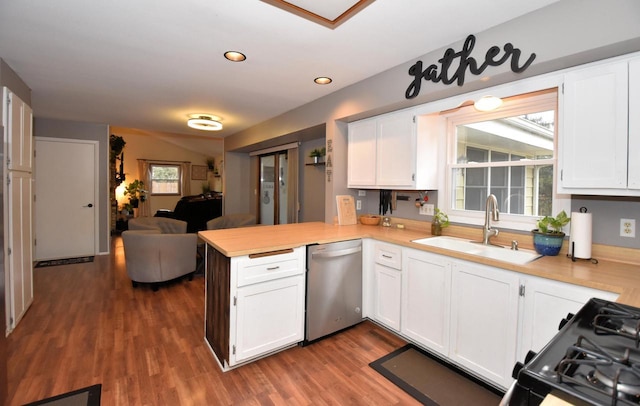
(245, 263)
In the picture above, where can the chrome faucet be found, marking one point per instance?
(490, 210)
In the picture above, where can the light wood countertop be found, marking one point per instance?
(614, 276)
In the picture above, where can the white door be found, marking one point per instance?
(66, 205)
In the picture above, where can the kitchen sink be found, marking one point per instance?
(497, 252)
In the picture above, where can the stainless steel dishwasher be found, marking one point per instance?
(334, 288)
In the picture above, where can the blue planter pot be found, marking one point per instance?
(547, 244)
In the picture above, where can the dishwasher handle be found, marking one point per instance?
(336, 253)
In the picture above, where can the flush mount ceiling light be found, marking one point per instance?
(323, 80)
(488, 103)
(205, 122)
(235, 56)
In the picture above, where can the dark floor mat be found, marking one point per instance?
(89, 396)
(431, 381)
(64, 261)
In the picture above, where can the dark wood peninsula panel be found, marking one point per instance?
(218, 276)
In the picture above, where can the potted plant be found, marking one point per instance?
(317, 153)
(548, 237)
(136, 193)
(440, 220)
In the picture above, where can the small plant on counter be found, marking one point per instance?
(553, 225)
(548, 237)
(440, 220)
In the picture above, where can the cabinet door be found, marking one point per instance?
(18, 127)
(546, 303)
(387, 296)
(426, 299)
(634, 124)
(396, 151)
(484, 320)
(269, 316)
(361, 165)
(593, 145)
(20, 258)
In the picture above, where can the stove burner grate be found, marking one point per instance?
(615, 377)
(613, 319)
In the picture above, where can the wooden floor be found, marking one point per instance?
(87, 325)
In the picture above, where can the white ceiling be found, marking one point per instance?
(148, 64)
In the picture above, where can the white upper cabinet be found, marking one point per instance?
(387, 152)
(362, 153)
(18, 122)
(598, 145)
(633, 180)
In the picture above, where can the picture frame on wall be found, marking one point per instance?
(199, 172)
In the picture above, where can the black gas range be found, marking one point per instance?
(593, 360)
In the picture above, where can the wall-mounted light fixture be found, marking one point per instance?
(488, 103)
(205, 122)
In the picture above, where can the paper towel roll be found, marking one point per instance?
(581, 234)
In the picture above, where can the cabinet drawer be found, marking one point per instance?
(388, 255)
(270, 266)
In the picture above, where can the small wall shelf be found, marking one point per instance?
(316, 164)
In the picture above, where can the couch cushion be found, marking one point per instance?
(165, 225)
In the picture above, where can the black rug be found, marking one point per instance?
(64, 261)
(432, 381)
(89, 396)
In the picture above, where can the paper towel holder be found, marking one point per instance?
(573, 246)
(574, 259)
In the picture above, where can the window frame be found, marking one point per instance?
(513, 106)
(165, 164)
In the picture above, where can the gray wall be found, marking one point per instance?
(10, 79)
(86, 131)
(564, 34)
(311, 181)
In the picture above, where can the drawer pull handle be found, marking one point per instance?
(387, 256)
(270, 253)
(273, 268)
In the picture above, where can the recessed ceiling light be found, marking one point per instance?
(323, 80)
(205, 122)
(235, 56)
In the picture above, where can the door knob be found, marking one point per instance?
(89, 205)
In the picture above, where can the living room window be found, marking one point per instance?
(165, 179)
(509, 153)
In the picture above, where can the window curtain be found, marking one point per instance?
(292, 181)
(143, 170)
(185, 181)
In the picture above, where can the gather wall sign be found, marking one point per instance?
(444, 73)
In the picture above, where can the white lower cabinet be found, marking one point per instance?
(479, 317)
(269, 315)
(266, 303)
(426, 299)
(387, 285)
(484, 320)
(545, 304)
